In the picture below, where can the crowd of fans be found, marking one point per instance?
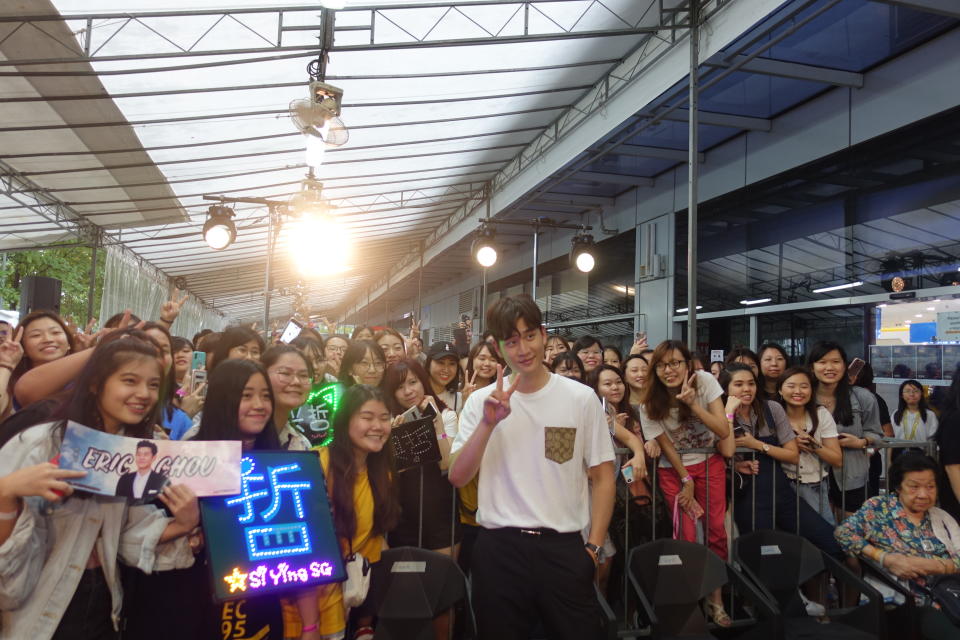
(793, 446)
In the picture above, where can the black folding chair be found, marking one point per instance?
(901, 621)
(409, 587)
(781, 562)
(671, 577)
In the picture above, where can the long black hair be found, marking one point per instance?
(922, 406)
(585, 342)
(624, 406)
(811, 406)
(169, 389)
(81, 404)
(572, 360)
(343, 470)
(843, 409)
(757, 405)
(356, 349)
(221, 408)
(233, 337)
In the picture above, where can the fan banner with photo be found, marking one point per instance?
(415, 443)
(138, 469)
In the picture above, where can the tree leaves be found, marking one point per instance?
(71, 265)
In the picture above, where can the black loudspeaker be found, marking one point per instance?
(39, 293)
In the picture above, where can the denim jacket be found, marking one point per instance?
(42, 561)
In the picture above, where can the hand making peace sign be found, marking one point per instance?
(688, 393)
(497, 405)
(469, 386)
(11, 351)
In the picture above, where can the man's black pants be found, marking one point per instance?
(522, 577)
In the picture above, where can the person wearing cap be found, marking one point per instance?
(443, 367)
(545, 459)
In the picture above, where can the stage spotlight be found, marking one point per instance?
(319, 245)
(219, 231)
(582, 252)
(484, 249)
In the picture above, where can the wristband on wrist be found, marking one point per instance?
(9, 515)
(312, 627)
(686, 479)
(731, 417)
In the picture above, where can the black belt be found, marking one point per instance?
(531, 532)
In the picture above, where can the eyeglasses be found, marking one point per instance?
(673, 364)
(287, 374)
(340, 350)
(370, 366)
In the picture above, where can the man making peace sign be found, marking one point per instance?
(535, 443)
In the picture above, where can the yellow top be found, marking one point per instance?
(468, 501)
(330, 596)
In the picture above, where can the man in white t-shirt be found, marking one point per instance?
(536, 445)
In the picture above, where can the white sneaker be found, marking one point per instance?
(814, 609)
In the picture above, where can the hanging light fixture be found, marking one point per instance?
(219, 231)
(318, 244)
(484, 249)
(582, 252)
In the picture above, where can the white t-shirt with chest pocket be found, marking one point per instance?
(534, 469)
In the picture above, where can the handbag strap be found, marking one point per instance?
(946, 530)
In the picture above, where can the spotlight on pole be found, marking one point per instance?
(219, 231)
(484, 249)
(582, 252)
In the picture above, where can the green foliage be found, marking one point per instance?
(71, 265)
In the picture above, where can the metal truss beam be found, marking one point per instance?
(619, 91)
(22, 190)
(795, 70)
(614, 178)
(949, 8)
(258, 30)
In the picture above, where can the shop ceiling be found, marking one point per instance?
(116, 123)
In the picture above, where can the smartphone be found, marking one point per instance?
(197, 378)
(641, 335)
(627, 472)
(855, 368)
(460, 340)
(739, 431)
(199, 360)
(291, 331)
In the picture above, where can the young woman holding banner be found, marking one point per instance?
(59, 569)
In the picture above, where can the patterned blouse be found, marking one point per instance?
(881, 522)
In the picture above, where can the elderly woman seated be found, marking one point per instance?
(908, 536)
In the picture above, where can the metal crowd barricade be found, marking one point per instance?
(885, 448)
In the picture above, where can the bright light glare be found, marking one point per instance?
(585, 262)
(218, 237)
(315, 149)
(837, 287)
(487, 256)
(318, 245)
(757, 301)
